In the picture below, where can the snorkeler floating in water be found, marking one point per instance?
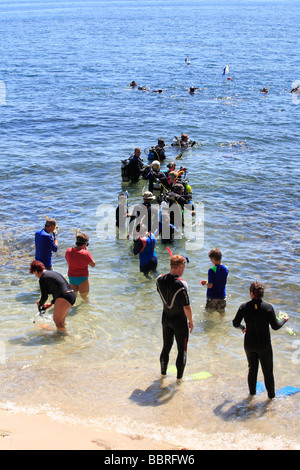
(183, 142)
(296, 90)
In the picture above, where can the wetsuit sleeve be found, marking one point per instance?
(137, 246)
(211, 276)
(275, 323)
(185, 294)
(44, 292)
(237, 321)
(185, 297)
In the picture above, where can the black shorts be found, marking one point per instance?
(69, 296)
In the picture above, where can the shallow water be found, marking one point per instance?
(68, 119)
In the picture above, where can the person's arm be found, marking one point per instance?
(91, 262)
(237, 321)
(137, 246)
(210, 282)
(44, 292)
(276, 323)
(53, 243)
(206, 283)
(189, 315)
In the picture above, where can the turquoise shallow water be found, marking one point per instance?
(68, 118)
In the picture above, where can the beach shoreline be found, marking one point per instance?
(20, 431)
(39, 432)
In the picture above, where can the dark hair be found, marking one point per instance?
(36, 267)
(81, 239)
(216, 254)
(49, 222)
(257, 289)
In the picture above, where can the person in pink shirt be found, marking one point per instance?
(79, 259)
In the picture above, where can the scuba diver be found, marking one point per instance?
(176, 177)
(157, 152)
(157, 178)
(178, 202)
(144, 246)
(122, 212)
(144, 213)
(171, 167)
(193, 89)
(166, 229)
(183, 142)
(132, 169)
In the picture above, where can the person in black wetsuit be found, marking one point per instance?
(135, 166)
(144, 213)
(55, 284)
(178, 203)
(177, 318)
(157, 178)
(258, 316)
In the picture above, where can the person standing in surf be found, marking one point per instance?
(79, 259)
(45, 243)
(258, 316)
(53, 283)
(177, 317)
(216, 283)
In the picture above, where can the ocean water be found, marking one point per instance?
(68, 117)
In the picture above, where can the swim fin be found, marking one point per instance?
(260, 388)
(285, 391)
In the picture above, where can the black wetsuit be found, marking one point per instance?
(157, 180)
(258, 316)
(174, 294)
(149, 215)
(55, 284)
(159, 153)
(134, 168)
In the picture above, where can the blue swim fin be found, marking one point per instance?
(285, 391)
(260, 388)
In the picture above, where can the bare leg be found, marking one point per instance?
(61, 310)
(75, 289)
(84, 289)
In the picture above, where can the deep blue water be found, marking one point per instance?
(68, 118)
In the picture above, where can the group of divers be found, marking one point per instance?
(134, 85)
(172, 186)
(171, 190)
(174, 197)
(147, 222)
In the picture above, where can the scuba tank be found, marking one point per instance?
(124, 171)
(152, 154)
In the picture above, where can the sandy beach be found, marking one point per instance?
(39, 432)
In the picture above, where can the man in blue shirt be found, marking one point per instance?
(216, 284)
(46, 243)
